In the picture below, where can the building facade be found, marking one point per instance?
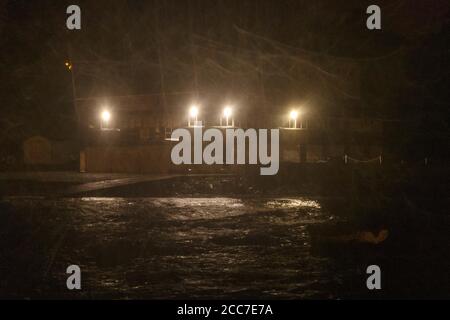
(130, 134)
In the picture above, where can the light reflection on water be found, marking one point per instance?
(293, 203)
(185, 247)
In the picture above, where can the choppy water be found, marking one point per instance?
(170, 248)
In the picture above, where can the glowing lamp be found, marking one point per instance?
(193, 112)
(293, 115)
(227, 111)
(105, 116)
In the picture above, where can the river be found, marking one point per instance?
(145, 248)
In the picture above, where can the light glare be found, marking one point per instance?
(293, 115)
(193, 111)
(227, 111)
(106, 116)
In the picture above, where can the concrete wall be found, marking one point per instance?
(153, 158)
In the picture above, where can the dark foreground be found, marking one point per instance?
(202, 245)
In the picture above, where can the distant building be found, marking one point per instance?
(128, 134)
(123, 134)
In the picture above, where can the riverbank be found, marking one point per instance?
(351, 181)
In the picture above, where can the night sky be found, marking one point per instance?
(271, 52)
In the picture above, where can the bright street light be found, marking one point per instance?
(106, 116)
(193, 114)
(193, 111)
(227, 111)
(293, 117)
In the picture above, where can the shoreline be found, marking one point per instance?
(351, 182)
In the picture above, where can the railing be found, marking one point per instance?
(376, 159)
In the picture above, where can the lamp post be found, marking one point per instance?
(105, 117)
(227, 113)
(293, 118)
(193, 114)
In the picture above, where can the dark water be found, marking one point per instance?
(175, 248)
